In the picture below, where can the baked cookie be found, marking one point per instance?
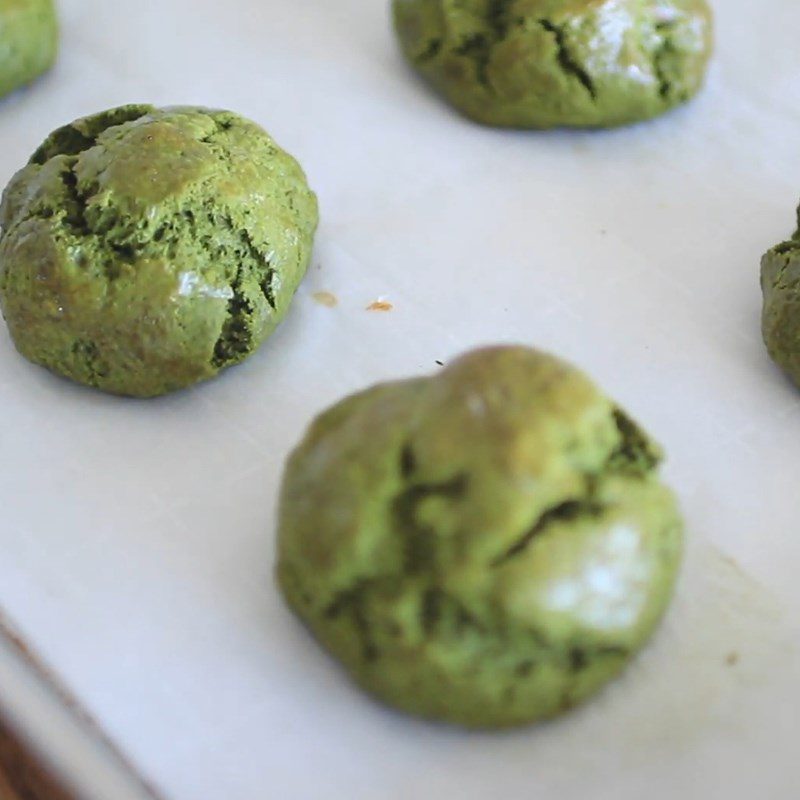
(547, 63)
(144, 249)
(28, 41)
(488, 546)
(780, 320)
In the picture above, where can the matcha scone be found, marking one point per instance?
(28, 41)
(548, 63)
(488, 546)
(145, 249)
(780, 320)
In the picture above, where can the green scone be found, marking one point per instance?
(780, 320)
(28, 41)
(143, 249)
(487, 547)
(548, 63)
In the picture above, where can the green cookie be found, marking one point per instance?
(28, 41)
(780, 320)
(488, 546)
(145, 249)
(548, 63)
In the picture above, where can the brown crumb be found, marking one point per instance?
(327, 299)
(380, 305)
(733, 659)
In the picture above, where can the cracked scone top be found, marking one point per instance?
(28, 41)
(144, 249)
(780, 319)
(547, 63)
(488, 546)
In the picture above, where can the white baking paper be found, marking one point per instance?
(136, 538)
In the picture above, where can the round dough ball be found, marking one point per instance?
(547, 63)
(488, 546)
(28, 41)
(146, 249)
(780, 320)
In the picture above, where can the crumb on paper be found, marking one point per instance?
(603, 231)
(440, 363)
(327, 299)
(735, 565)
(380, 305)
(733, 659)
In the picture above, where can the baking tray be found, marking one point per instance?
(137, 537)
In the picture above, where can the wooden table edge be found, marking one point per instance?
(25, 773)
